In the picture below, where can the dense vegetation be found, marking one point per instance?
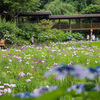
(22, 69)
(57, 7)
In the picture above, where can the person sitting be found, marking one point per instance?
(97, 38)
(2, 43)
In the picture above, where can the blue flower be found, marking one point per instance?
(23, 95)
(60, 70)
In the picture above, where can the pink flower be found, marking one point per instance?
(7, 90)
(1, 91)
(28, 80)
(21, 67)
(88, 59)
(6, 84)
(35, 70)
(31, 77)
(1, 86)
(27, 62)
(28, 73)
(55, 64)
(32, 67)
(55, 78)
(12, 85)
(70, 63)
(21, 74)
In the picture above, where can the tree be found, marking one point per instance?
(35, 7)
(2, 6)
(14, 7)
(90, 2)
(58, 7)
(97, 2)
(91, 9)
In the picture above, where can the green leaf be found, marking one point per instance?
(94, 95)
(54, 95)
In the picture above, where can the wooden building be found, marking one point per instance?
(90, 25)
(85, 21)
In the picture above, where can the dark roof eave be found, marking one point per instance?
(35, 14)
(74, 16)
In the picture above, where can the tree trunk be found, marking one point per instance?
(15, 21)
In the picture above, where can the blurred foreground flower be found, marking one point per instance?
(82, 88)
(36, 92)
(77, 71)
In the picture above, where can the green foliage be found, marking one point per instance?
(14, 7)
(29, 29)
(77, 36)
(91, 9)
(57, 7)
(97, 2)
(8, 31)
(63, 53)
(35, 6)
(79, 4)
(58, 35)
(95, 44)
(54, 95)
(45, 24)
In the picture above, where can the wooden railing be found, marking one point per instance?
(78, 26)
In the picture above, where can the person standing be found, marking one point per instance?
(2, 43)
(88, 37)
(32, 40)
(93, 37)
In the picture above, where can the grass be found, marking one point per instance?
(34, 61)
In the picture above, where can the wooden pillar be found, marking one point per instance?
(70, 25)
(91, 31)
(80, 23)
(53, 21)
(59, 24)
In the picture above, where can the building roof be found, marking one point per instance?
(74, 16)
(35, 14)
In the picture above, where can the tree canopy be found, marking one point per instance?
(14, 7)
(58, 7)
(91, 9)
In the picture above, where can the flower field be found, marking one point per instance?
(26, 68)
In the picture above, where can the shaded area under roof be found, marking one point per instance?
(35, 14)
(74, 16)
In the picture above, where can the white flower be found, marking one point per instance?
(6, 67)
(12, 85)
(1, 86)
(7, 90)
(10, 60)
(95, 61)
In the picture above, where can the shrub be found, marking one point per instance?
(8, 31)
(58, 35)
(78, 36)
(29, 29)
(54, 35)
(45, 24)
